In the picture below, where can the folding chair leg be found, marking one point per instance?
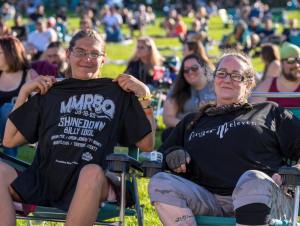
(123, 196)
(296, 205)
(138, 208)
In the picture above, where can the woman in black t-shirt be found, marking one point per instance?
(225, 158)
(77, 123)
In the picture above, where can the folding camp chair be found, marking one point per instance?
(291, 178)
(122, 164)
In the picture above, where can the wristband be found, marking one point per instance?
(144, 98)
(148, 111)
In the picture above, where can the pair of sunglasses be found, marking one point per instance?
(193, 68)
(293, 60)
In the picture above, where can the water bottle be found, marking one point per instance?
(151, 156)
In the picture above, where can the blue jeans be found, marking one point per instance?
(5, 109)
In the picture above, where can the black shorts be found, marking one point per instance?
(32, 189)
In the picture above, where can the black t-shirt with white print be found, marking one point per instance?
(223, 147)
(76, 123)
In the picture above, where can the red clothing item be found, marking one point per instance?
(284, 102)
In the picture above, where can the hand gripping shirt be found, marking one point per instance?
(76, 123)
(222, 147)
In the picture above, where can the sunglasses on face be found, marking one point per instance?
(80, 53)
(292, 60)
(235, 76)
(193, 68)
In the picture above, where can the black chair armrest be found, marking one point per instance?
(14, 162)
(121, 163)
(290, 175)
(151, 167)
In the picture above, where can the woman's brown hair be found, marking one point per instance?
(14, 53)
(182, 89)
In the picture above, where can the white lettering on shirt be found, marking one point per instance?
(90, 102)
(221, 130)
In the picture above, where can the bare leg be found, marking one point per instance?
(173, 215)
(91, 190)
(7, 194)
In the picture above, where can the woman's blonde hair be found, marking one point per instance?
(155, 57)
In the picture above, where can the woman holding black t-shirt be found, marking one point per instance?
(77, 123)
(225, 158)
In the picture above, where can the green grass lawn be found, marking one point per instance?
(124, 52)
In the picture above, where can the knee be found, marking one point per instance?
(253, 177)
(253, 186)
(92, 174)
(157, 181)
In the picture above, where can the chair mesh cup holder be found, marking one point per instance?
(150, 168)
(120, 163)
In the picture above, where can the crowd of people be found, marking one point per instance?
(219, 142)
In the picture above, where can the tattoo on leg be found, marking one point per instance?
(185, 220)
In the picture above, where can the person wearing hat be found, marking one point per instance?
(289, 79)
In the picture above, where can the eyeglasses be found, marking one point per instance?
(193, 68)
(141, 47)
(293, 60)
(78, 52)
(234, 76)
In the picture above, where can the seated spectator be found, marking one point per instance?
(8, 11)
(151, 15)
(195, 28)
(179, 29)
(267, 32)
(192, 88)
(254, 25)
(289, 79)
(203, 17)
(85, 23)
(61, 29)
(39, 13)
(51, 28)
(62, 13)
(15, 72)
(271, 58)
(169, 22)
(239, 38)
(56, 55)
(52, 114)
(38, 40)
(139, 20)
(193, 45)
(144, 61)
(112, 25)
(292, 34)
(223, 160)
(19, 29)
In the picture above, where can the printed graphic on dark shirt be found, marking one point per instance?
(81, 116)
